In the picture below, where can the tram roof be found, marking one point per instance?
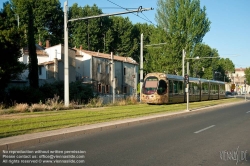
(171, 76)
(191, 79)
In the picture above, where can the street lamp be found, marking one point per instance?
(183, 61)
(183, 71)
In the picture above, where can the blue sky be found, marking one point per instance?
(229, 31)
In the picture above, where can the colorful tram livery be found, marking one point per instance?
(160, 88)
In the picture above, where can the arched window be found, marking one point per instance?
(162, 87)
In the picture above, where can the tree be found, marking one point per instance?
(185, 25)
(156, 58)
(147, 31)
(119, 36)
(48, 19)
(10, 46)
(89, 33)
(33, 63)
(225, 66)
(247, 75)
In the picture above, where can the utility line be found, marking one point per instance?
(133, 13)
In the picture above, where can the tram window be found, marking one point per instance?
(205, 88)
(222, 89)
(196, 88)
(214, 89)
(150, 85)
(178, 87)
(170, 87)
(191, 88)
(162, 88)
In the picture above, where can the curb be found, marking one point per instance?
(26, 140)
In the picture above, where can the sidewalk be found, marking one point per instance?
(17, 142)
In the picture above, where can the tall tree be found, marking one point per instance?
(33, 63)
(156, 58)
(147, 31)
(119, 37)
(185, 25)
(89, 33)
(225, 66)
(10, 46)
(247, 75)
(48, 19)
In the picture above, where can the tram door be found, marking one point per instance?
(171, 91)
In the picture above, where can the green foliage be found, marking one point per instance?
(10, 45)
(78, 92)
(247, 75)
(114, 34)
(50, 90)
(86, 33)
(185, 24)
(147, 31)
(27, 95)
(33, 62)
(119, 37)
(48, 18)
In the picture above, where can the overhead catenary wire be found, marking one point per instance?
(139, 10)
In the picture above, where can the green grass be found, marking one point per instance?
(22, 123)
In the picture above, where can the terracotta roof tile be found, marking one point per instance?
(107, 56)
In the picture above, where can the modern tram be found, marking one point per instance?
(161, 88)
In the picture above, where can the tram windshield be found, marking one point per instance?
(150, 85)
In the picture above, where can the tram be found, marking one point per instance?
(161, 88)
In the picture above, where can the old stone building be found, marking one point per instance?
(94, 67)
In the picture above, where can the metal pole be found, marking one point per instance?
(188, 87)
(187, 97)
(183, 61)
(112, 77)
(141, 66)
(245, 92)
(88, 36)
(66, 56)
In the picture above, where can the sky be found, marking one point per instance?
(229, 30)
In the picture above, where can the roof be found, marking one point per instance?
(46, 63)
(240, 69)
(106, 56)
(40, 51)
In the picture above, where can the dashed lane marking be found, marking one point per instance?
(204, 129)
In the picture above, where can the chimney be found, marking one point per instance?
(47, 44)
(81, 47)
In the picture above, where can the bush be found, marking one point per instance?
(131, 100)
(37, 107)
(54, 103)
(49, 90)
(80, 93)
(21, 107)
(27, 95)
(95, 102)
(2, 105)
(47, 93)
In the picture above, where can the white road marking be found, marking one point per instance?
(248, 112)
(204, 129)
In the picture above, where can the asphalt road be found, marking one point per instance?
(218, 136)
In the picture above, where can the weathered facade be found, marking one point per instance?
(237, 78)
(50, 64)
(86, 66)
(95, 68)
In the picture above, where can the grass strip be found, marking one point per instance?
(43, 121)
